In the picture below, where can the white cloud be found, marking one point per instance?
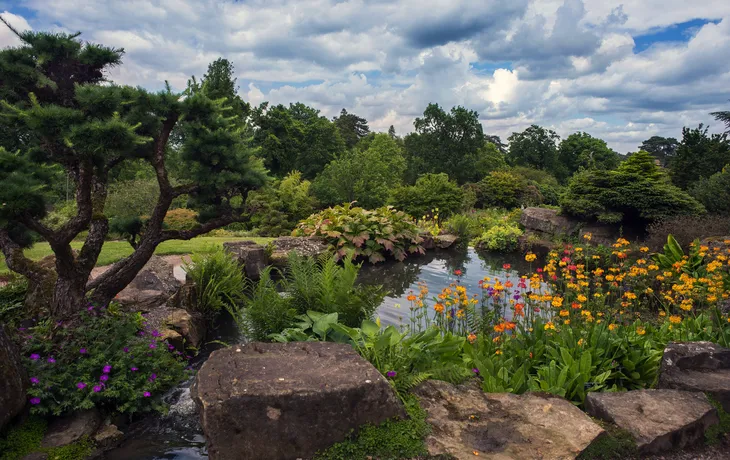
(566, 64)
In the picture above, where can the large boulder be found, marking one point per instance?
(697, 366)
(152, 286)
(69, 429)
(304, 246)
(445, 241)
(13, 380)
(287, 401)
(468, 422)
(181, 328)
(659, 420)
(548, 221)
(251, 256)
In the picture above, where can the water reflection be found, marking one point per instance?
(436, 269)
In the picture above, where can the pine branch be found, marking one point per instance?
(17, 261)
(13, 29)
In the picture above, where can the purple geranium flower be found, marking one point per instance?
(126, 349)
(34, 380)
(104, 378)
(391, 374)
(170, 347)
(153, 377)
(51, 359)
(35, 401)
(107, 369)
(133, 369)
(35, 356)
(82, 351)
(147, 394)
(475, 370)
(97, 388)
(81, 385)
(153, 345)
(155, 333)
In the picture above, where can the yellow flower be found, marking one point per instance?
(640, 330)
(675, 319)
(566, 322)
(581, 342)
(582, 298)
(644, 249)
(439, 308)
(662, 313)
(549, 325)
(611, 327)
(557, 302)
(498, 352)
(587, 236)
(530, 257)
(564, 313)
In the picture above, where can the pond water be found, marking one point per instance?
(178, 435)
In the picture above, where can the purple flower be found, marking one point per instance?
(126, 349)
(104, 378)
(35, 356)
(107, 369)
(82, 351)
(170, 347)
(153, 345)
(21, 329)
(155, 333)
(391, 374)
(153, 377)
(147, 394)
(81, 385)
(34, 380)
(97, 388)
(133, 369)
(51, 359)
(35, 401)
(91, 308)
(141, 333)
(475, 370)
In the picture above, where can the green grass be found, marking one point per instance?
(116, 250)
(24, 439)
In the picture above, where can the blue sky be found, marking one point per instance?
(622, 71)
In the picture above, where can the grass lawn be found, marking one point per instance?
(116, 250)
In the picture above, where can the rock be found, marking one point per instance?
(445, 241)
(108, 437)
(251, 256)
(152, 286)
(13, 380)
(427, 240)
(66, 430)
(535, 243)
(287, 400)
(659, 420)
(173, 338)
(468, 422)
(605, 234)
(190, 325)
(548, 221)
(185, 298)
(307, 247)
(697, 366)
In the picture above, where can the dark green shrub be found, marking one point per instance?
(431, 192)
(266, 311)
(218, 282)
(108, 359)
(371, 234)
(276, 210)
(501, 189)
(181, 219)
(714, 192)
(637, 191)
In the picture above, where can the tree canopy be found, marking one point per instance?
(583, 151)
(352, 128)
(661, 148)
(699, 155)
(66, 120)
(535, 147)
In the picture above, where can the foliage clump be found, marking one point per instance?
(431, 191)
(275, 210)
(637, 191)
(218, 281)
(371, 234)
(500, 238)
(109, 359)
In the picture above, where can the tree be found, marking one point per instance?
(661, 148)
(296, 138)
(366, 176)
(714, 192)
(583, 151)
(636, 193)
(68, 121)
(536, 147)
(391, 132)
(723, 117)
(277, 209)
(444, 142)
(497, 141)
(699, 155)
(352, 128)
(219, 83)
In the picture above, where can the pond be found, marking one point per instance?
(179, 436)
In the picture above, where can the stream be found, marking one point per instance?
(178, 434)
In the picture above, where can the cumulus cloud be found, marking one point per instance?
(570, 65)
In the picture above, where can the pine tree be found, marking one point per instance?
(62, 119)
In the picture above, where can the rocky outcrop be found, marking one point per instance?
(304, 246)
(697, 366)
(69, 429)
(152, 286)
(108, 437)
(468, 422)
(445, 241)
(251, 256)
(287, 401)
(190, 326)
(659, 420)
(13, 380)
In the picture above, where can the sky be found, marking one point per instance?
(621, 70)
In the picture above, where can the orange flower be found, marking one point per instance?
(411, 298)
(499, 327)
(439, 308)
(472, 338)
(508, 284)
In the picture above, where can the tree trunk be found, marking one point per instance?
(69, 295)
(121, 274)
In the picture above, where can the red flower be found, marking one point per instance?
(457, 272)
(506, 266)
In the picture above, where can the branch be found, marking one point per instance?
(16, 260)
(184, 189)
(212, 224)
